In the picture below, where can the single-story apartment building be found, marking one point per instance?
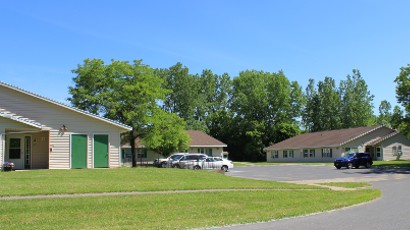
(383, 143)
(200, 143)
(41, 133)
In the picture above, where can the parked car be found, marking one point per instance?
(225, 163)
(354, 160)
(167, 162)
(191, 161)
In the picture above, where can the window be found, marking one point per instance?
(312, 153)
(396, 150)
(327, 153)
(305, 153)
(141, 153)
(207, 151)
(378, 152)
(308, 153)
(285, 154)
(275, 154)
(15, 148)
(290, 154)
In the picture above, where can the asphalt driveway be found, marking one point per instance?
(389, 212)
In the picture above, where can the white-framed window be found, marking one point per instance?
(291, 154)
(288, 153)
(309, 153)
(327, 153)
(396, 150)
(378, 152)
(207, 151)
(305, 153)
(312, 153)
(275, 154)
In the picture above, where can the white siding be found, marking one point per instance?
(53, 117)
(398, 140)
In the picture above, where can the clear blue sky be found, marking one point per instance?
(42, 41)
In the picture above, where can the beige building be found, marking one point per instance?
(383, 143)
(200, 143)
(40, 133)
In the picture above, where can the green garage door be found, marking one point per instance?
(100, 151)
(78, 151)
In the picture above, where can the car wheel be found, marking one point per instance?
(224, 168)
(349, 165)
(356, 166)
(163, 164)
(197, 167)
(338, 167)
(368, 165)
(176, 166)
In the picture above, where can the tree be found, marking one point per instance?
(357, 102)
(263, 112)
(121, 91)
(402, 95)
(385, 116)
(166, 133)
(322, 110)
(183, 95)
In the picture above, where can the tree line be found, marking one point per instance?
(247, 112)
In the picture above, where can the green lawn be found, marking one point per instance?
(157, 211)
(348, 184)
(392, 164)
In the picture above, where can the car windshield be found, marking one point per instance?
(176, 157)
(350, 155)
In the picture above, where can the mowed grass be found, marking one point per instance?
(43, 182)
(158, 211)
(392, 164)
(348, 184)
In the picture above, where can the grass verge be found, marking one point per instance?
(157, 211)
(348, 184)
(173, 211)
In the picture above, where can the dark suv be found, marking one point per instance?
(354, 160)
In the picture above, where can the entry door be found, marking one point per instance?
(100, 151)
(78, 151)
(19, 151)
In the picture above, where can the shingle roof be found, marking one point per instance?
(115, 123)
(198, 139)
(325, 138)
(201, 139)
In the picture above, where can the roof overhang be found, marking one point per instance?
(112, 122)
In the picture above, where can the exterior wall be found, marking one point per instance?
(358, 145)
(396, 141)
(53, 117)
(299, 156)
(40, 150)
(216, 151)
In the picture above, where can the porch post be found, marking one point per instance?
(2, 148)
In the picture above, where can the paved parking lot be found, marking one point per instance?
(389, 212)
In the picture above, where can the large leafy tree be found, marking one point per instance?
(183, 96)
(262, 109)
(357, 102)
(402, 118)
(166, 133)
(122, 91)
(322, 110)
(385, 115)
